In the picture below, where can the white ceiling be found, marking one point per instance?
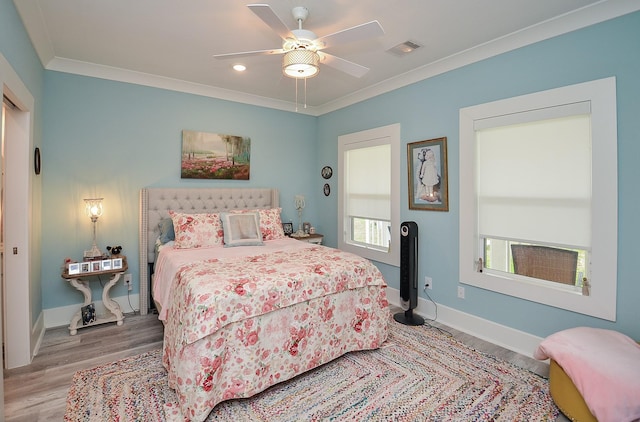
(171, 43)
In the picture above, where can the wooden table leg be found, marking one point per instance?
(109, 303)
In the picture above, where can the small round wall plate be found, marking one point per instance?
(327, 172)
(326, 189)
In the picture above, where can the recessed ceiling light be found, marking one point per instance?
(239, 67)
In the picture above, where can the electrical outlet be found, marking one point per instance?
(127, 281)
(428, 283)
(461, 292)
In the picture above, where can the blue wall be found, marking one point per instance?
(429, 109)
(110, 139)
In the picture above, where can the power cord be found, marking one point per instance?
(129, 300)
(427, 321)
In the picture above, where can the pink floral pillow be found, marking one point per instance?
(270, 222)
(196, 230)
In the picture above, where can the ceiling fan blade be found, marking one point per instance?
(355, 33)
(248, 53)
(268, 16)
(343, 65)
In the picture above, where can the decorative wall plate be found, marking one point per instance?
(326, 189)
(327, 172)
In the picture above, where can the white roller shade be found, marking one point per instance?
(534, 181)
(368, 173)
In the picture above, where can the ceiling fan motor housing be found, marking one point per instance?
(303, 39)
(300, 14)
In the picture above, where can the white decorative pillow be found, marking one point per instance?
(270, 222)
(241, 229)
(196, 230)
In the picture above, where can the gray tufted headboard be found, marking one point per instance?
(155, 204)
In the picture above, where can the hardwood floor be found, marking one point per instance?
(38, 392)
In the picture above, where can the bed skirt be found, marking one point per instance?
(246, 357)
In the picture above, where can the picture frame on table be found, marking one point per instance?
(116, 263)
(306, 226)
(287, 228)
(428, 180)
(96, 266)
(85, 267)
(106, 265)
(74, 268)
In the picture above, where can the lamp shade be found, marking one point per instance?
(93, 207)
(300, 63)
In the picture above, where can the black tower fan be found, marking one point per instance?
(408, 274)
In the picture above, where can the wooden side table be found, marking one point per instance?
(81, 282)
(312, 238)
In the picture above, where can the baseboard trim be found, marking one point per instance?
(58, 317)
(37, 334)
(498, 334)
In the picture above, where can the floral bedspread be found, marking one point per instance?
(224, 338)
(211, 294)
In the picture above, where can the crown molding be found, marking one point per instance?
(580, 18)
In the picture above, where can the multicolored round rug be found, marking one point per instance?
(420, 374)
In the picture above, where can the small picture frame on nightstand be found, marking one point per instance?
(116, 263)
(106, 265)
(306, 226)
(74, 268)
(287, 228)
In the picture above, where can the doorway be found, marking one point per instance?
(16, 306)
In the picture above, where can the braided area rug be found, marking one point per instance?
(420, 374)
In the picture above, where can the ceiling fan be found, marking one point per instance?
(302, 49)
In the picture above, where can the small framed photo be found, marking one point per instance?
(106, 265)
(74, 268)
(116, 263)
(85, 267)
(306, 226)
(288, 228)
(96, 265)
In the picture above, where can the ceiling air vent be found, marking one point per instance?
(404, 48)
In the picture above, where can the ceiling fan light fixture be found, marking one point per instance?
(300, 63)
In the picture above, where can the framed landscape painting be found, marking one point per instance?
(215, 156)
(427, 167)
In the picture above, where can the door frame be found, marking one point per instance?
(18, 272)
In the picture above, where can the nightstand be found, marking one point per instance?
(81, 283)
(312, 238)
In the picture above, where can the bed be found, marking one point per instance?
(250, 308)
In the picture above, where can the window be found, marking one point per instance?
(368, 193)
(538, 175)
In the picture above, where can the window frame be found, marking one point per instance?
(601, 303)
(389, 134)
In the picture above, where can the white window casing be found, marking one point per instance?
(370, 190)
(485, 207)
